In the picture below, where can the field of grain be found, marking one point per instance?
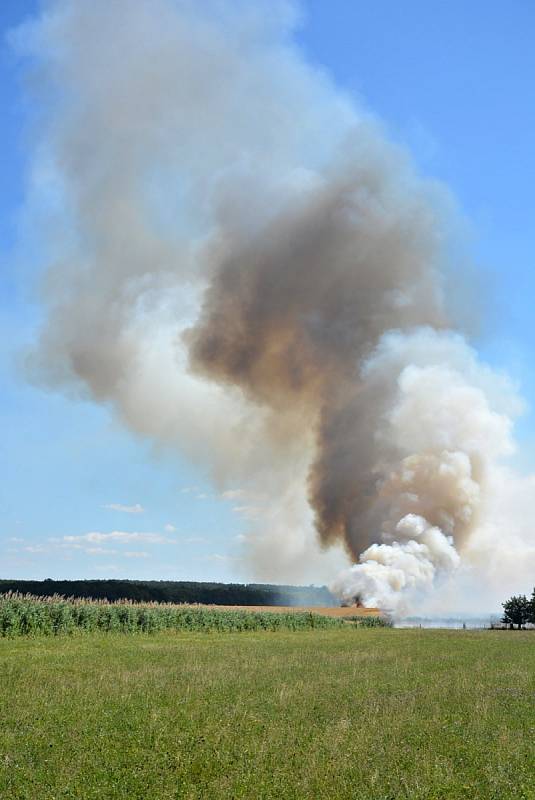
(339, 612)
(27, 615)
(345, 714)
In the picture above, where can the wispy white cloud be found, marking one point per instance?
(121, 537)
(222, 558)
(169, 528)
(232, 494)
(135, 509)
(89, 544)
(195, 490)
(249, 512)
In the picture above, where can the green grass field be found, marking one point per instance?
(350, 713)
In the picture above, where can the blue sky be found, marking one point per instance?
(451, 80)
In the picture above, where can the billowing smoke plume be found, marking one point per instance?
(247, 269)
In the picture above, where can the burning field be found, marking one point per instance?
(230, 259)
(255, 276)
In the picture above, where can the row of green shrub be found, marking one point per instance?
(25, 615)
(371, 622)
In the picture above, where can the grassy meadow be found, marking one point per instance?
(322, 714)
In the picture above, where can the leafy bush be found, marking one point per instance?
(516, 611)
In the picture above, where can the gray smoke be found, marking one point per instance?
(247, 269)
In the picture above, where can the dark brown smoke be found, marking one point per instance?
(291, 313)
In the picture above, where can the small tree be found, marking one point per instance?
(517, 611)
(531, 608)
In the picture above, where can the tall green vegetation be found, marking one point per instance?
(371, 622)
(26, 615)
(519, 611)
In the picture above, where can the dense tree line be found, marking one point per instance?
(519, 610)
(251, 594)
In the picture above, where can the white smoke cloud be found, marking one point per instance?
(389, 576)
(244, 268)
(445, 424)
